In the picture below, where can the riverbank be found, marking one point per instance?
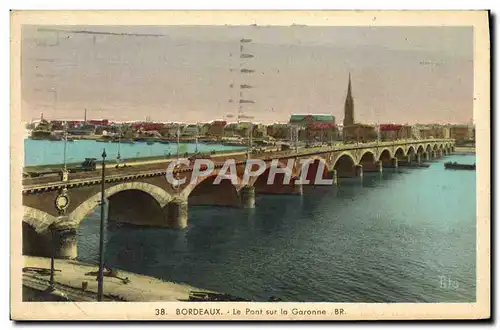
(468, 150)
(125, 286)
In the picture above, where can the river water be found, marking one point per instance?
(406, 236)
(44, 152)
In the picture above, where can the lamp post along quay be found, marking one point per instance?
(64, 173)
(52, 257)
(101, 234)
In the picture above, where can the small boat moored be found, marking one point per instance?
(457, 166)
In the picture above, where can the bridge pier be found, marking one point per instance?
(64, 240)
(390, 163)
(333, 176)
(358, 170)
(427, 156)
(247, 196)
(419, 158)
(177, 213)
(373, 167)
(394, 162)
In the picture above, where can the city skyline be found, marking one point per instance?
(403, 75)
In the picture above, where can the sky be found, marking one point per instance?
(184, 73)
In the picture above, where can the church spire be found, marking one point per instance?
(349, 105)
(349, 92)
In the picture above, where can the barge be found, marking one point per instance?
(457, 166)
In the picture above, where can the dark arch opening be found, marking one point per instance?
(345, 167)
(209, 193)
(367, 158)
(277, 186)
(34, 243)
(369, 163)
(411, 151)
(400, 154)
(314, 168)
(385, 156)
(134, 207)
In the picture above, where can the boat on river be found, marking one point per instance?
(403, 163)
(457, 166)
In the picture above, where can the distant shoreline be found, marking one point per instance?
(467, 150)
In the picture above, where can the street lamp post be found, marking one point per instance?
(52, 256)
(118, 157)
(250, 138)
(296, 140)
(101, 234)
(197, 133)
(65, 143)
(178, 140)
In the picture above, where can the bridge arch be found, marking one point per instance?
(368, 156)
(428, 148)
(313, 168)
(38, 220)
(385, 154)
(399, 153)
(420, 149)
(206, 192)
(345, 165)
(278, 186)
(158, 194)
(411, 151)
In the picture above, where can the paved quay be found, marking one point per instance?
(125, 286)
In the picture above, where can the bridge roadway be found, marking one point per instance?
(153, 166)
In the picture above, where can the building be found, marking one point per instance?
(170, 130)
(279, 131)
(216, 128)
(190, 130)
(259, 131)
(314, 127)
(204, 129)
(460, 132)
(321, 132)
(147, 126)
(388, 132)
(359, 133)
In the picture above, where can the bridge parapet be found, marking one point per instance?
(135, 173)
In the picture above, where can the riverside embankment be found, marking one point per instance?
(123, 286)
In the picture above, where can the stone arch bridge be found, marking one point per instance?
(142, 195)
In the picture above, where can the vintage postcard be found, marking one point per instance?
(251, 165)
